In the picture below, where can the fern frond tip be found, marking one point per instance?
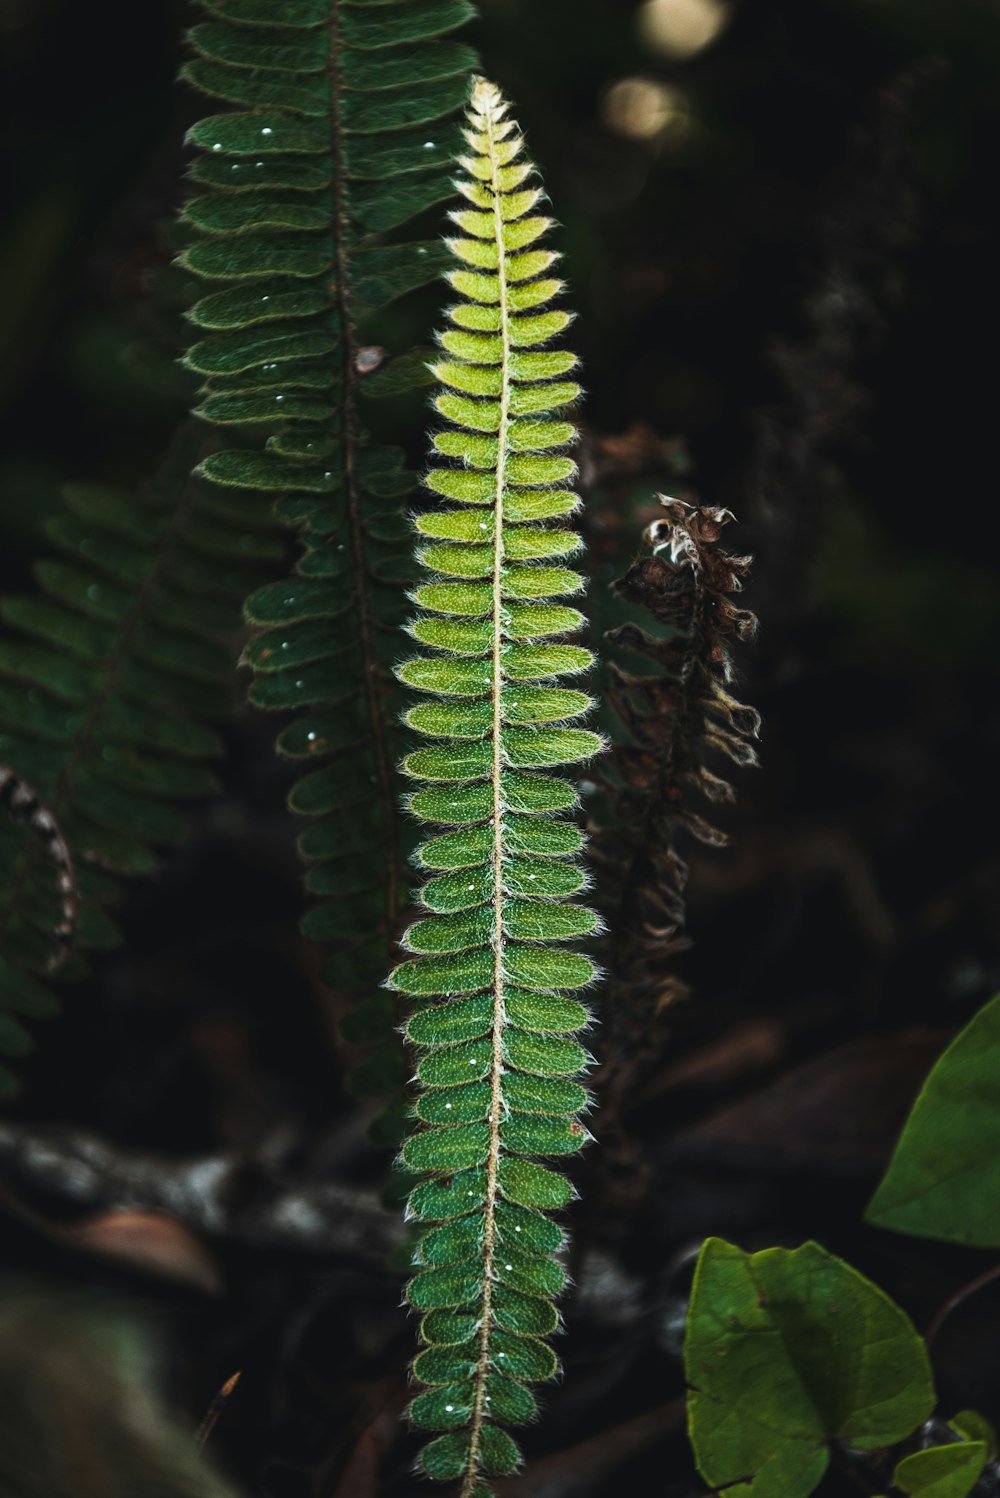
(486, 99)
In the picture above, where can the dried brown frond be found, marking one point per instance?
(679, 716)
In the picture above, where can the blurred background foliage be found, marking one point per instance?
(778, 227)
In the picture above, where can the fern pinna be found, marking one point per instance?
(336, 137)
(492, 988)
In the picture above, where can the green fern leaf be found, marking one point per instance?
(110, 681)
(338, 134)
(497, 1064)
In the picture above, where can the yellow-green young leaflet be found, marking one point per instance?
(495, 988)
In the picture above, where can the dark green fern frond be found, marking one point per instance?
(110, 680)
(492, 983)
(336, 138)
(680, 718)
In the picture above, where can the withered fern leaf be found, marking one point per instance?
(338, 135)
(22, 805)
(111, 679)
(679, 716)
(493, 986)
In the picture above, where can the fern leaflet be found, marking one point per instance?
(336, 138)
(495, 1015)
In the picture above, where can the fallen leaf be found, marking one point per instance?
(150, 1241)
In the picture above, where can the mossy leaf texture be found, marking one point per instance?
(337, 132)
(498, 1065)
(944, 1178)
(786, 1351)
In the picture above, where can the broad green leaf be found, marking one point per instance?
(786, 1351)
(943, 1180)
(973, 1426)
(942, 1471)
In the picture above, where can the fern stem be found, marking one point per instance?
(385, 775)
(484, 98)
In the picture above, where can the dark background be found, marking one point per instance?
(782, 253)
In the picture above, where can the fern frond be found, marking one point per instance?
(110, 681)
(494, 988)
(678, 719)
(337, 136)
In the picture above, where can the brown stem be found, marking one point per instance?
(964, 1293)
(216, 1408)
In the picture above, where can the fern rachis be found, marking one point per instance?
(496, 1065)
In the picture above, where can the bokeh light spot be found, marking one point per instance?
(643, 109)
(680, 28)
